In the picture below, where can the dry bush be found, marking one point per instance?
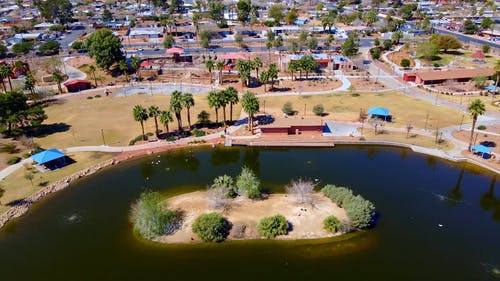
(302, 189)
(217, 197)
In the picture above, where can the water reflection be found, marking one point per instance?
(224, 155)
(489, 202)
(455, 195)
(251, 159)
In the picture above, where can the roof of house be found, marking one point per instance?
(430, 75)
(76, 82)
(478, 55)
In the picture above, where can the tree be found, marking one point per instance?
(107, 16)
(370, 17)
(92, 71)
(135, 63)
(470, 27)
(397, 36)
(271, 227)
(277, 13)
(29, 83)
(6, 72)
(332, 224)
(319, 110)
(247, 184)
(480, 82)
(328, 20)
(16, 113)
(497, 72)
(168, 41)
(203, 117)
(209, 64)
(288, 108)
(250, 104)
(220, 66)
(264, 78)
(387, 44)
(239, 40)
(427, 50)
(205, 37)
(445, 42)
(272, 73)
(232, 98)
(302, 189)
(58, 78)
(308, 64)
(51, 10)
(244, 68)
(211, 227)
(294, 66)
(312, 44)
(165, 118)
(188, 102)
(215, 101)
(291, 16)
(376, 42)
(140, 115)
(487, 23)
(475, 109)
(375, 53)
(49, 48)
(405, 63)
(3, 50)
(154, 111)
(176, 107)
(486, 48)
(351, 45)
(244, 7)
(104, 47)
(123, 66)
(216, 11)
(22, 48)
(257, 64)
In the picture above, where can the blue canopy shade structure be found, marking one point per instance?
(481, 148)
(492, 88)
(378, 111)
(47, 156)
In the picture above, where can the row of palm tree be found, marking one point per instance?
(7, 71)
(222, 98)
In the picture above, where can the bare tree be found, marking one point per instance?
(408, 129)
(302, 189)
(217, 197)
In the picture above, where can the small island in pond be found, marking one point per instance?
(236, 209)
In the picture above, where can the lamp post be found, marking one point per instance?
(305, 109)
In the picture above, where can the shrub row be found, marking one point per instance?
(359, 210)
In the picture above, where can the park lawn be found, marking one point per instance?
(17, 187)
(345, 107)
(114, 116)
(487, 100)
(419, 140)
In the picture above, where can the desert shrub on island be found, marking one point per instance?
(248, 184)
(271, 227)
(359, 210)
(152, 218)
(211, 227)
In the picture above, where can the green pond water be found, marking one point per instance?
(436, 221)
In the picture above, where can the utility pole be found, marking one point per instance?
(426, 120)
(102, 134)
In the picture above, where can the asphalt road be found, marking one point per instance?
(468, 39)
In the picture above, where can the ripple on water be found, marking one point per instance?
(75, 217)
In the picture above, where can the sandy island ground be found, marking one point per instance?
(306, 219)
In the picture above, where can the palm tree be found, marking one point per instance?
(176, 107)
(224, 100)
(92, 71)
(220, 66)
(140, 115)
(475, 109)
(122, 65)
(6, 72)
(232, 97)
(135, 62)
(292, 67)
(188, 102)
(250, 104)
(165, 118)
(214, 101)
(209, 64)
(29, 83)
(58, 78)
(154, 111)
(257, 64)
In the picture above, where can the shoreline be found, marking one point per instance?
(24, 205)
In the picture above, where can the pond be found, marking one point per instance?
(436, 221)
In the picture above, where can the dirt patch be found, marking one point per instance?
(306, 220)
(397, 56)
(367, 84)
(287, 86)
